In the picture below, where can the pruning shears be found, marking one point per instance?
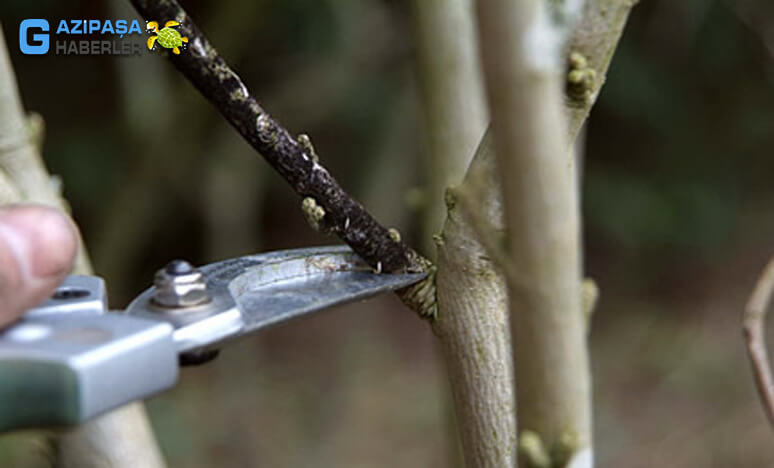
(68, 360)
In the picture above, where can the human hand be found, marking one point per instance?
(37, 250)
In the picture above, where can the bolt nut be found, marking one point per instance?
(179, 285)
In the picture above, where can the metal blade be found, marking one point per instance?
(265, 305)
(253, 292)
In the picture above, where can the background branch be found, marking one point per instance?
(122, 438)
(20, 159)
(754, 327)
(453, 102)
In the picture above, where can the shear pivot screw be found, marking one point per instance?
(179, 285)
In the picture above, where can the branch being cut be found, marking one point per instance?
(753, 326)
(341, 214)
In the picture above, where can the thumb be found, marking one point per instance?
(37, 249)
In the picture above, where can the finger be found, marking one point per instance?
(37, 249)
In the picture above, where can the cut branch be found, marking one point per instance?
(755, 336)
(343, 216)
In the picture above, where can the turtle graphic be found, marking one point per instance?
(168, 38)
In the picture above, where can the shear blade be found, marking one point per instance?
(266, 306)
(253, 292)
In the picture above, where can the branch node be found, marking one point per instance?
(581, 79)
(490, 235)
(565, 448)
(313, 212)
(532, 449)
(589, 297)
(306, 144)
(36, 127)
(267, 132)
(421, 297)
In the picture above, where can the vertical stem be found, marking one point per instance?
(122, 438)
(472, 326)
(754, 328)
(452, 96)
(19, 155)
(520, 53)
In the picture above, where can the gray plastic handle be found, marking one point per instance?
(67, 360)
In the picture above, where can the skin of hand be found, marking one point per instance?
(37, 249)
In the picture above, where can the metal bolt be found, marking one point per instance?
(179, 285)
(179, 267)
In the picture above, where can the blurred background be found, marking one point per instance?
(678, 200)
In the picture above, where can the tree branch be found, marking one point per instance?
(341, 214)
(753, 326)
(589, 51)
(472, 328)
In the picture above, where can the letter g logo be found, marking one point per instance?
(40, 45)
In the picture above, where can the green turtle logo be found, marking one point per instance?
(168, 38)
